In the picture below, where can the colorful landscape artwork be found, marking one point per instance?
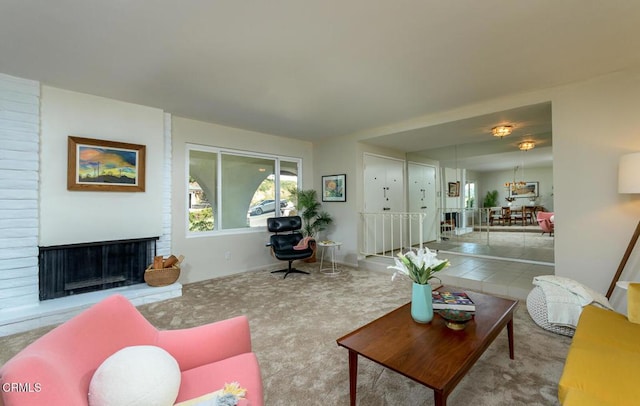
(100, 165)
(107, 165)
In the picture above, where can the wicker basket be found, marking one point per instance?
(161, 277)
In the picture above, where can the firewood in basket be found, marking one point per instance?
(170, 261)
(157, 262)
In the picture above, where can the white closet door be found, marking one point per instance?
(384, 193)
(422, 199)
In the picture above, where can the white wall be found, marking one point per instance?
(205, 257)
(78, 216)
(594, 123)
(338, 158)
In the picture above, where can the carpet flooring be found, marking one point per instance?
(295, 323)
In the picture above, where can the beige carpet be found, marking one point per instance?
(295, 323)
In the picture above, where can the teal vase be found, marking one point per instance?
(421, 303)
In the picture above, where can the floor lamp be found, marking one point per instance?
(628, 182)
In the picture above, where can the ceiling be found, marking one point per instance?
(314, 68)
(470, 144)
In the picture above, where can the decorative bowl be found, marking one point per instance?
(456, 319)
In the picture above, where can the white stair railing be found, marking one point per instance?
(384, 233)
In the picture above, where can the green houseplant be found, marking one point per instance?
(491, 199)
(308, 207)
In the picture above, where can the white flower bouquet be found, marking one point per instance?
(420, 266)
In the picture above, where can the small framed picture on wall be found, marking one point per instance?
(454, 189)
(334, 188)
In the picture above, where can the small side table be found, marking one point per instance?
(331, 245)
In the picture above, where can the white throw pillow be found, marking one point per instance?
(136, 376)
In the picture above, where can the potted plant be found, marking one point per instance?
(491, 199)
(308, 208)
(314, 219)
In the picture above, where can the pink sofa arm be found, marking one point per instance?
(209, 343)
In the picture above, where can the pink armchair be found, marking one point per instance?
(545, 222)
(63, 361)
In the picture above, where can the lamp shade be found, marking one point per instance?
(629, 173)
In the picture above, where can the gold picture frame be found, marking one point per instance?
(453, 189)
(105, 166)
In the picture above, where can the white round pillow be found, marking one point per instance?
(136, 376)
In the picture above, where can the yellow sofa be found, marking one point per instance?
(603, 363)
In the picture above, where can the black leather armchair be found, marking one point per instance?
(287, 236)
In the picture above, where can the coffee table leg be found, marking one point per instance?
(440, 398)
(353, 376)
(510, 335)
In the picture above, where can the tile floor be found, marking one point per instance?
(485, 273)
(494, 276)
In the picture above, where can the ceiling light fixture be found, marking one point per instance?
(502, 130)
(526, 145)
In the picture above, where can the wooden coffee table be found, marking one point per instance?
(431, 354)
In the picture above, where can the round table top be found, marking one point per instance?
(329, 243)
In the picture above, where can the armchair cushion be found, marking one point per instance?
(633, 303)
(231, 337)
(138, 375)
(207, 378)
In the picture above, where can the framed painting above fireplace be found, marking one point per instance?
(110, 166)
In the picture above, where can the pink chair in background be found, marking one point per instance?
(545, 220)
(64, 360)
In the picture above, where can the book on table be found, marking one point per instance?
(453, 301)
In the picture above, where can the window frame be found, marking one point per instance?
(220, 151)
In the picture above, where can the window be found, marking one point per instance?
(470, 195)
(231, 190)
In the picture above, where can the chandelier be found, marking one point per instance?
(502, 130)
(514, 185)
(526, 145)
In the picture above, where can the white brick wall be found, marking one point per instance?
(164, 244)
(19, 162)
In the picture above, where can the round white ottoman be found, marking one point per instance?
(537, 307)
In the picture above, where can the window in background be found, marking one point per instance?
(242, 189)
(203, 166)
(470, 195)
(289, 179)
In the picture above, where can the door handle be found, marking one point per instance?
(423, 207)
(386, 208)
